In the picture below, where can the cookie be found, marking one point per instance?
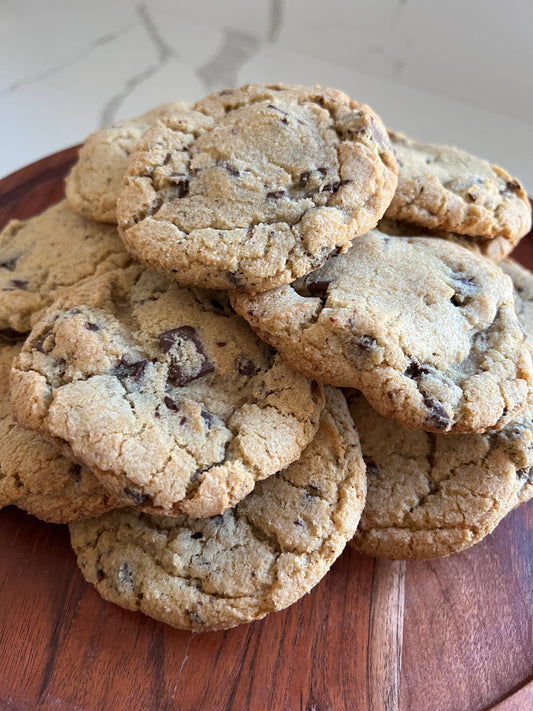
(430, 495)
(445, 188)
(261, 556)
(165, 393)
(33, 474)
(423, 326)
(522, 280)
(38, 256)
(93, 184)
(256, 187)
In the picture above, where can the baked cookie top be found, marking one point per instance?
(164, 392)
(261, 556)
(256, 186)
(430, 495)
(423, 326)
(93, 184)
(34, 475)
(54, 249)
(445, 188)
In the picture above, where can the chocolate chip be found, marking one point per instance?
(304, 177)
(324, 255)
(221, 344)
(438, 415)
(523, 474)
(472, 197)
(17, 284)
(318, 288)
(207, 417)
(92, 326)
(276, 195)
(135, 370)
(197, 535)
(416, 370)
(9, 264)
(299, 522)
(247, 367)
(168, 158)
(136, 495)
(232, 171)
(10, 335)
(511, 186)
(171, 404)
(39, 344)
(167, 341)
(323, 171)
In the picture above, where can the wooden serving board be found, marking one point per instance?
(452, 634)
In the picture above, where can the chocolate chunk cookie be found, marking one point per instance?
(35, 476)
(431, 495)
(166, 394)
(93, 185)
(261, 556)
(38, 256)
(445, 188)
(423, 326)
(256, 187)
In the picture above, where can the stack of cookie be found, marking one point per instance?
(215, 276)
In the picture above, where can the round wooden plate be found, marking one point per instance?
(450, 634)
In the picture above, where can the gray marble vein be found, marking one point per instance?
(223, 69)
(60, 66)
(164, 52)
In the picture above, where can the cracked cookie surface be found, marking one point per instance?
(432, 495)
(256, 186)
(441, 187)
(38, 256)
(94, 183)
(35, 476)
(423, 326)
(261, 556)
(164, 392)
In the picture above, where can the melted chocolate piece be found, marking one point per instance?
(169, 339)
(438, 415)
(124, 369)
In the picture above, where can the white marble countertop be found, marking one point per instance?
(449, 72)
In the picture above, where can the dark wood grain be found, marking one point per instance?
(447, 635)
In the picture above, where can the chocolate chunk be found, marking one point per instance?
(276, 195)
(92, 326)
(232, 171)
(197, 535)
(299, 522)
(323, 171)
(416, 370)
(523, 474)
(135, 370)
(167, 341)
(438, 415)
(511, 186)
(16, 284)
(304, 177)
(10, 335)
(137, 496)
(9, 263)
(207, 417)
(171, 404)
(41, 344)
(247, 367)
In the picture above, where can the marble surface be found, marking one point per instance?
(455, 72)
